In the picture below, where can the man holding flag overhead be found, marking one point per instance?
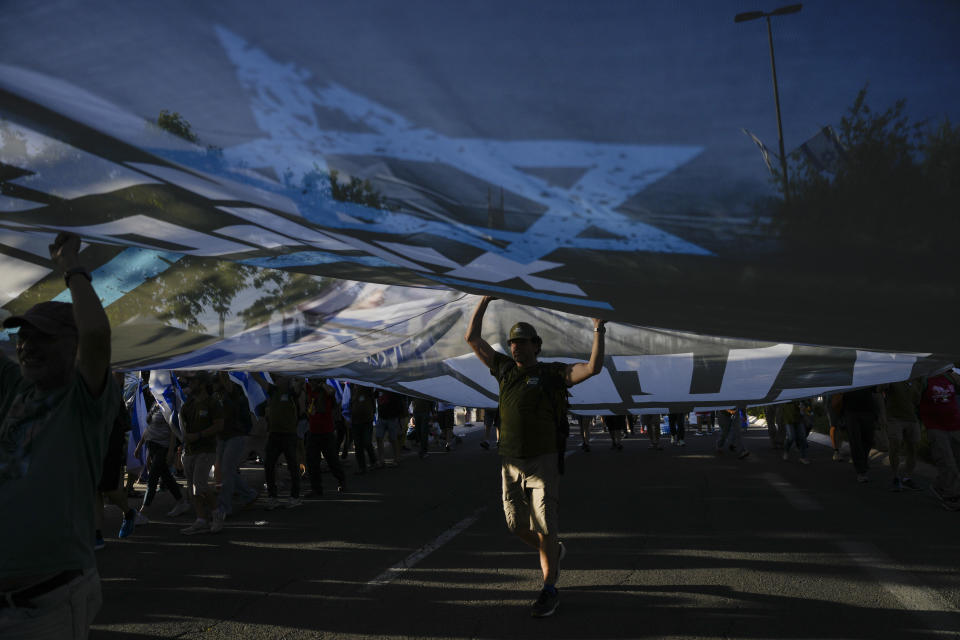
(56, 410)
(533, 402)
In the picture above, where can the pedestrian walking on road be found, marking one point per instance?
(321, 408)
(615, 426)
(232, 448)
(860, 417)
(677, 422)
(533, 431)
(902, 401)
(940, 413)
(282, 416)
(651, 422)
(796, 432)
(491, 424)
(363, 406)
(201, 419)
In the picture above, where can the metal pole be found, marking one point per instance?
(776, 99)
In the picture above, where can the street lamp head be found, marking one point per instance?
(753, 15)
(782, 11)
(748, 15)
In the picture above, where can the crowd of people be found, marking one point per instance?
(63, 426)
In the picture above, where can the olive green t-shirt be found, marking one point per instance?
(903, 400)
(51, 454)
(528, 426)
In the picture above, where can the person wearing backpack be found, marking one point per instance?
(940, 414)
(533, 429)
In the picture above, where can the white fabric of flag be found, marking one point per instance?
(167, 393)
(764, 152)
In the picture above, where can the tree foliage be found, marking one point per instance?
(894, 195)
(355, 190)
(173, 122)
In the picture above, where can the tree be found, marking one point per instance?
(174, 123)
(892, 199)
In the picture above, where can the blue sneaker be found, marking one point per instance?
(98, 543)
(127, 528)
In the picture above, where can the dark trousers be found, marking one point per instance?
(159, 470)
(677, 425)
(323, 445)
(860, 425)
(651, 423)
(281, 444)
(363, 442)
(422, 422)
(343, 437)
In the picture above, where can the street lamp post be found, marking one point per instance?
(753, 15)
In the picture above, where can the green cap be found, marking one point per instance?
(522, 331)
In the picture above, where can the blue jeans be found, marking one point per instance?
(231, 453)
(796, 433)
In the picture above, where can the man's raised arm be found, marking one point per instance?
(480, 346)
(93, 327)
(580, 371)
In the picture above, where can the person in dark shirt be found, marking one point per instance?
(362, 411)
(860, 415)
(231, 448)
(282, 415)
(529, 437)
(201, 419)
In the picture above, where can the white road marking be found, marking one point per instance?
(799, 499)
(926, 603)
(396, 570)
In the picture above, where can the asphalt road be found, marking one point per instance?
(679, 543)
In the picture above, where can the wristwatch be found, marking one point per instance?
(72, 271)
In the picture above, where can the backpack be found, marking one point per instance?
(555, 387)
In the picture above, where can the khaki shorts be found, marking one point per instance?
(196, 468)
(531, 493)
(898, 430)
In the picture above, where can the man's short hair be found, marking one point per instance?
(53, 318)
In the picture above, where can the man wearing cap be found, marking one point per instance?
(56, 410)
(528, 438)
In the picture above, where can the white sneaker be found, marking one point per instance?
(198, 526)
(179, 509)
(218, 517)
(141, 519)
(786, 456)
(682, 443)
(272, 503)
(294, 503)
